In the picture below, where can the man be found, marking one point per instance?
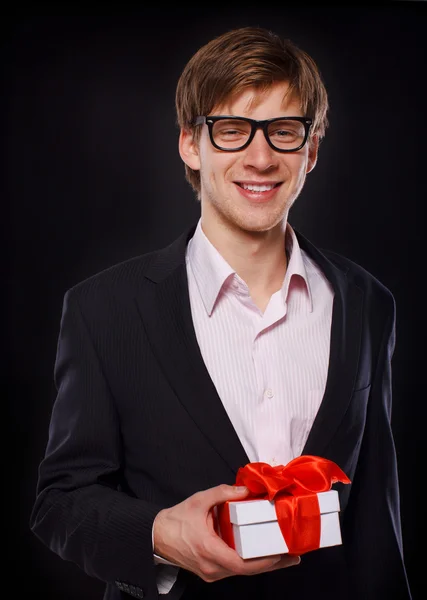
(240, 342)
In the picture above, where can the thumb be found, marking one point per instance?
(223, 492)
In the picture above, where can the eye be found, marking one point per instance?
(230, 130)
(286, 132)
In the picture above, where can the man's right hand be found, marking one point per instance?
(184, 534)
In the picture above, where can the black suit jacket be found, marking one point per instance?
(138, 426)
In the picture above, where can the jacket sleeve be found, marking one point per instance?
(372, 533)
(79, 511)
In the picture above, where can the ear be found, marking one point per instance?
(189, 149)
(313, 148)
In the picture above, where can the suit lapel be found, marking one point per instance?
(344, 352)
(166, 315)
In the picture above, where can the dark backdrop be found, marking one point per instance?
(93, 177)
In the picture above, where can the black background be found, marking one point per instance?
(92, 177)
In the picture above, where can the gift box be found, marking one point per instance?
(256, 530)
(289, 509)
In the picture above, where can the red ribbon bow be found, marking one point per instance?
(294, 488)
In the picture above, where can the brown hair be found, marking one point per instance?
(243, 58)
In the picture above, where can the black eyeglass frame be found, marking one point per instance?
(255, 125)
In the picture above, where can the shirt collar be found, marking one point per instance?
(296, 266)
(211, 270)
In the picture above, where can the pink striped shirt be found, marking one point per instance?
(269, 368)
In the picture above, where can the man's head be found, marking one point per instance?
(250, 57)
(248, 174)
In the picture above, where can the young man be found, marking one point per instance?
(240, 342)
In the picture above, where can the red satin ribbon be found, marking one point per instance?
(294, 488)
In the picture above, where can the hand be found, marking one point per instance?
(184, 534)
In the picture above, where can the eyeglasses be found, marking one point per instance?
(231, 134)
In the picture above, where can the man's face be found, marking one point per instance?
(226, 176)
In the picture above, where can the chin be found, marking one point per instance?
(259, 224)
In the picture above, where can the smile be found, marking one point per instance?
(258, 188)
(258, 192)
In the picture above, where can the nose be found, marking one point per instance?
(259, 154)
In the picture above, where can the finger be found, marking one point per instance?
(228, 559)
(285, 560)
(256, 566)
(219, 494)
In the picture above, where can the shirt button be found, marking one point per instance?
(269, 393)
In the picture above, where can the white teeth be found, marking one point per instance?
(257, 188)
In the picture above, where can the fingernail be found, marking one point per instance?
(239, 489)
(297, 560)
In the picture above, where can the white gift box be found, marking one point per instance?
(257, 532)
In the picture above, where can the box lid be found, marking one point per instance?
(261, 511)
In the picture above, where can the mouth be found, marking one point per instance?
(258, 192)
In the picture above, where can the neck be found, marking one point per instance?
(258, 257)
